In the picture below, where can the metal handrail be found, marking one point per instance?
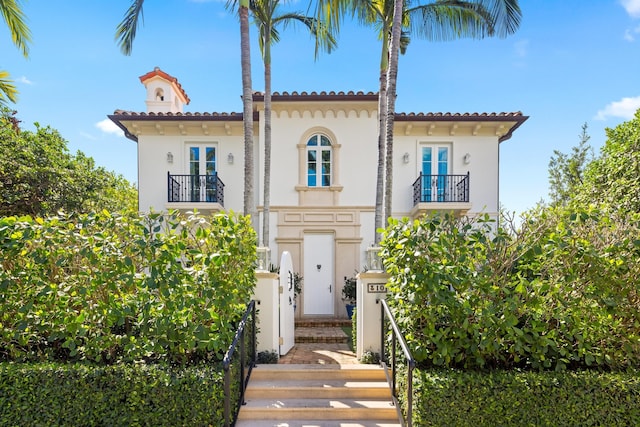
(411, 363)
(226, 363)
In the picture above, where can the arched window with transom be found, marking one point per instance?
(319, 161)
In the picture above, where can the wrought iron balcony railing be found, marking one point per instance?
(195, 188)
(441, 189)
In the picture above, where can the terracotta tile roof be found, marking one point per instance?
(132, 115)
(157, 72)
(319, 96)
(458, 116)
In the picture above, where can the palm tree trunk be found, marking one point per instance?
(392, 76)
(267, 139)
(247, 101)
(382, 128)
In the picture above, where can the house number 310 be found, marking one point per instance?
(376, 288)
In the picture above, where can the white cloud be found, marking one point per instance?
(107, 126)
(630, 34)
(25, 80)
(625, 108)
(632, 7)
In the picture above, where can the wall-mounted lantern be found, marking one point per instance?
(264, 258)
(230, 158)
(169, 157)
(373, 258)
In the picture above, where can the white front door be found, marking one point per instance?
(318, 274)
(287, 321)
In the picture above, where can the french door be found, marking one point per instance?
(202, 170)
(435, 168)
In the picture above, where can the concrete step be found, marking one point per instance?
(317, 372)
(352, 390)
(319, 410)
(317, 423)
(318, 395)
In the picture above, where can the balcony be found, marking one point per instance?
(204, 192)
(440, 193)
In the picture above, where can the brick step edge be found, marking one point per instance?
(328, 340)
(322, 324)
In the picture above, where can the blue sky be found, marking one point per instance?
(571, 62)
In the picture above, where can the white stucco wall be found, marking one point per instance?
(482, 167)
(153, 167)
(357, 161)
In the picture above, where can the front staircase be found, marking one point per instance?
(318, 395)
(326, 390)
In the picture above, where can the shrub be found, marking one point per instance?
(560, 293)
(349, 289)
(517, 398)
(123, 287)
(268, 357)
(118, 395)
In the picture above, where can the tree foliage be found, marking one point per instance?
(566, 171)
(612, 179)
(39, 177)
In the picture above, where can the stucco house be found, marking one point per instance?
(324, 163)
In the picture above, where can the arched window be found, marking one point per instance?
(318, 161)
(159, 94)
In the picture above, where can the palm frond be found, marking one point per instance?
(266, 18)
(8, 91)
(126, 30)
(446, 20)
(16, 21)
(506, 14)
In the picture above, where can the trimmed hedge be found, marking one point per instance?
(118, 395)
(518, 398)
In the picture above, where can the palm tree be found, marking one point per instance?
(395, 20)
(442, 20)
(266, 19)
(21, 36)
(126, 33)
(379, 14)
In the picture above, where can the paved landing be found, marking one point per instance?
(320, 353)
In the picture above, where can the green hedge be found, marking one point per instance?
(515, 398)
(560, 293)
(119, 395)
(112, 288)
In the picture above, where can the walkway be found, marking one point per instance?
(320, 341)
(320, 353)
